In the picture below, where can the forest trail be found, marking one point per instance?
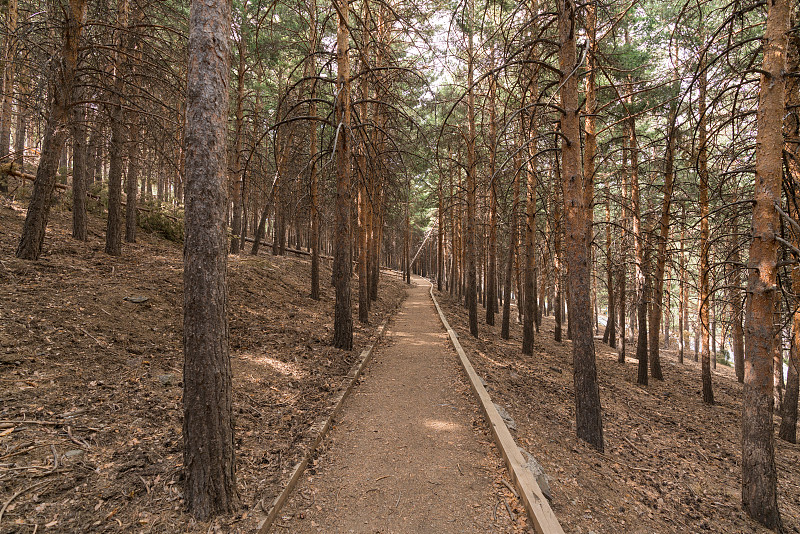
(409, 452)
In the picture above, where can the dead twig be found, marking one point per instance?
(510, 488)
(55, 457)
(77, 441)
(102, 345)
(510, 513)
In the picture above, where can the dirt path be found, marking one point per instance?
(410, 453)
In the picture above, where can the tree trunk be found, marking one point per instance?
(656, 314)
(132, 187)
(469, 249)
(238, 175)
(343, 316)
(491, 271)
(638, 234)
(119, 138)
(505, 331)
(683, 325)
(208, 426)
(705, 296)
(79, 173)
(759, 478)
(8, 77)
(610, 334)
(32, 240)
(791, 130)
(311, 69)
(576, 221)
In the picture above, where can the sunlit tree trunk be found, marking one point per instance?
(576, 221)
(759, 478)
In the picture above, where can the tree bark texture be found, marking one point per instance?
(343, 314)
(576, 218)
(759, 478)
(208, 429)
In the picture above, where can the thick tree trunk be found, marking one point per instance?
(343, 316)
(32, 240)
(576, 219)
(759, 478)
(208, 427)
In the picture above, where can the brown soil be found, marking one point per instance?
(410, 452)
(100, 379)
(672, 464)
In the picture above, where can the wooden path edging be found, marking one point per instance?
(321, 427)
(536, 505)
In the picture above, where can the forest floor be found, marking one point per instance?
(90, 383)
(410, 450)
(671, 463)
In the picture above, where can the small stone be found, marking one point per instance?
(74, 453)
(538, 473)
(167, 379)
(509, 421)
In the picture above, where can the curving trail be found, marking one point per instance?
(409, 452)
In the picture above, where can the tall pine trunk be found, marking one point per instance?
(208, 425)
(588, 417)
(759, 477)
(343, 315)
(705, 296)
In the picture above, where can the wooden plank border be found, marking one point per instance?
(536, 505)
(321, 428)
